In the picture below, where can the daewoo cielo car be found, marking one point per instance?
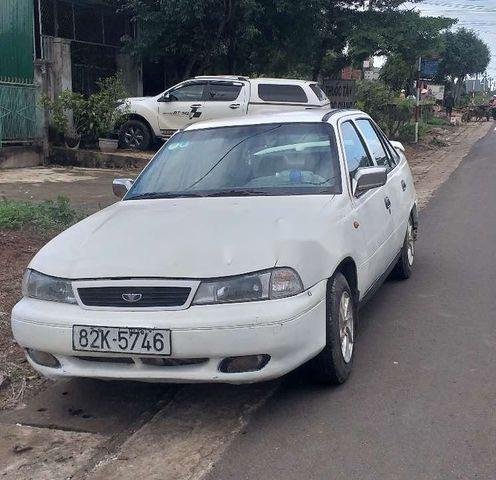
(243, 250)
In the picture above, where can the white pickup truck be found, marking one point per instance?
(213, 97)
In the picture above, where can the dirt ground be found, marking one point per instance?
(432, 162)
(17, 379)
(88, 189)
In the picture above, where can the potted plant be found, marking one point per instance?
(70, 116)
(108, 109)
(86, 119)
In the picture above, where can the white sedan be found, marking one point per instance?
(243, 250)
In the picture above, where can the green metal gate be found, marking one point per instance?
(16, 40)
(20, 113)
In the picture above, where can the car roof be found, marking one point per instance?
(306, 116)
(254, 80)
(282, 80)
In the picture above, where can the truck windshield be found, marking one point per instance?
(271, 159)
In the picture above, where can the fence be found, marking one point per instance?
(20, 113)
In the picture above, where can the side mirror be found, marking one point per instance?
(368, 178)
(120, 186)
(398, 145)
(165, 98)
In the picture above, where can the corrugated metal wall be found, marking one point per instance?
(16, 40)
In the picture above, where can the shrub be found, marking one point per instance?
(389, 111)
(48, 216)
(406, 132)
(89, 117)
(372, 97)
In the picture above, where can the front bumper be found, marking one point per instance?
(290, 330)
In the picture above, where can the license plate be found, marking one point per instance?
(139, 341)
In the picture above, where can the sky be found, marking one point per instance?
(477, 15)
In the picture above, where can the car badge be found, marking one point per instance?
(132, 297)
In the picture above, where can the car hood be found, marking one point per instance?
(137, 99)
(192, 238)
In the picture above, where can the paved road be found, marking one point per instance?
(421, 403)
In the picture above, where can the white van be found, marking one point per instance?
(213, 97)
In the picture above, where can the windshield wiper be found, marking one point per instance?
(152, 195)
(237, 192)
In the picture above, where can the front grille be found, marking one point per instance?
(138, 297)
(125, 360)
(152, 361)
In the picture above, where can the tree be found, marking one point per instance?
(402, 37)
(309, 39)
(465, 54)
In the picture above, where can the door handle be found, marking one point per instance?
(403, 185)
(233, 106)
(195, 105)
(387, 202)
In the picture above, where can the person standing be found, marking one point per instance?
(492, 105)
(449, 103)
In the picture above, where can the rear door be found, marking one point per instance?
(224, 99)
(181, 106)
(370, 209)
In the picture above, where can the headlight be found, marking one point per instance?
(42, 287)
(270, 284)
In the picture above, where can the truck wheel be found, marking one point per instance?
(333, 364)
(134, 134)
(404, 267)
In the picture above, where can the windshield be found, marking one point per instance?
(274, 159)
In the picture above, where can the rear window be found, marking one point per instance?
(271, 92)
(318, 91)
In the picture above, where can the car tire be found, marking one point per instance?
(404, 268)
(334, 363)
(135, 135)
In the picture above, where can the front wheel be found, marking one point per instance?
(333, 365)
(135, 135)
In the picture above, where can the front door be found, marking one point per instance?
(181, 106)
(380, 153)
(373, 217)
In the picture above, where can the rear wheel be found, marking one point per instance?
(333, 365)
(404, 267)
(134, 134)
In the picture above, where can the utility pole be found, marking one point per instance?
(417, 106)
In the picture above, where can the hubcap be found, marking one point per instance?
(133, 137)
(410, 243)
(346, 326)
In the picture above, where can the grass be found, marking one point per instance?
(48, 216)
(438, 122)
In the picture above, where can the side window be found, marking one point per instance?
(271, 92)
(192, 92)
(318, 91)
(376, 147)
(354, 149)
(394, 157)
(223, 91)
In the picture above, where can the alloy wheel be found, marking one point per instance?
(346, 326)
(410, 243)
(133, 137)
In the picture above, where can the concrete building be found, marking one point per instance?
(79, 41)
(46, 47)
